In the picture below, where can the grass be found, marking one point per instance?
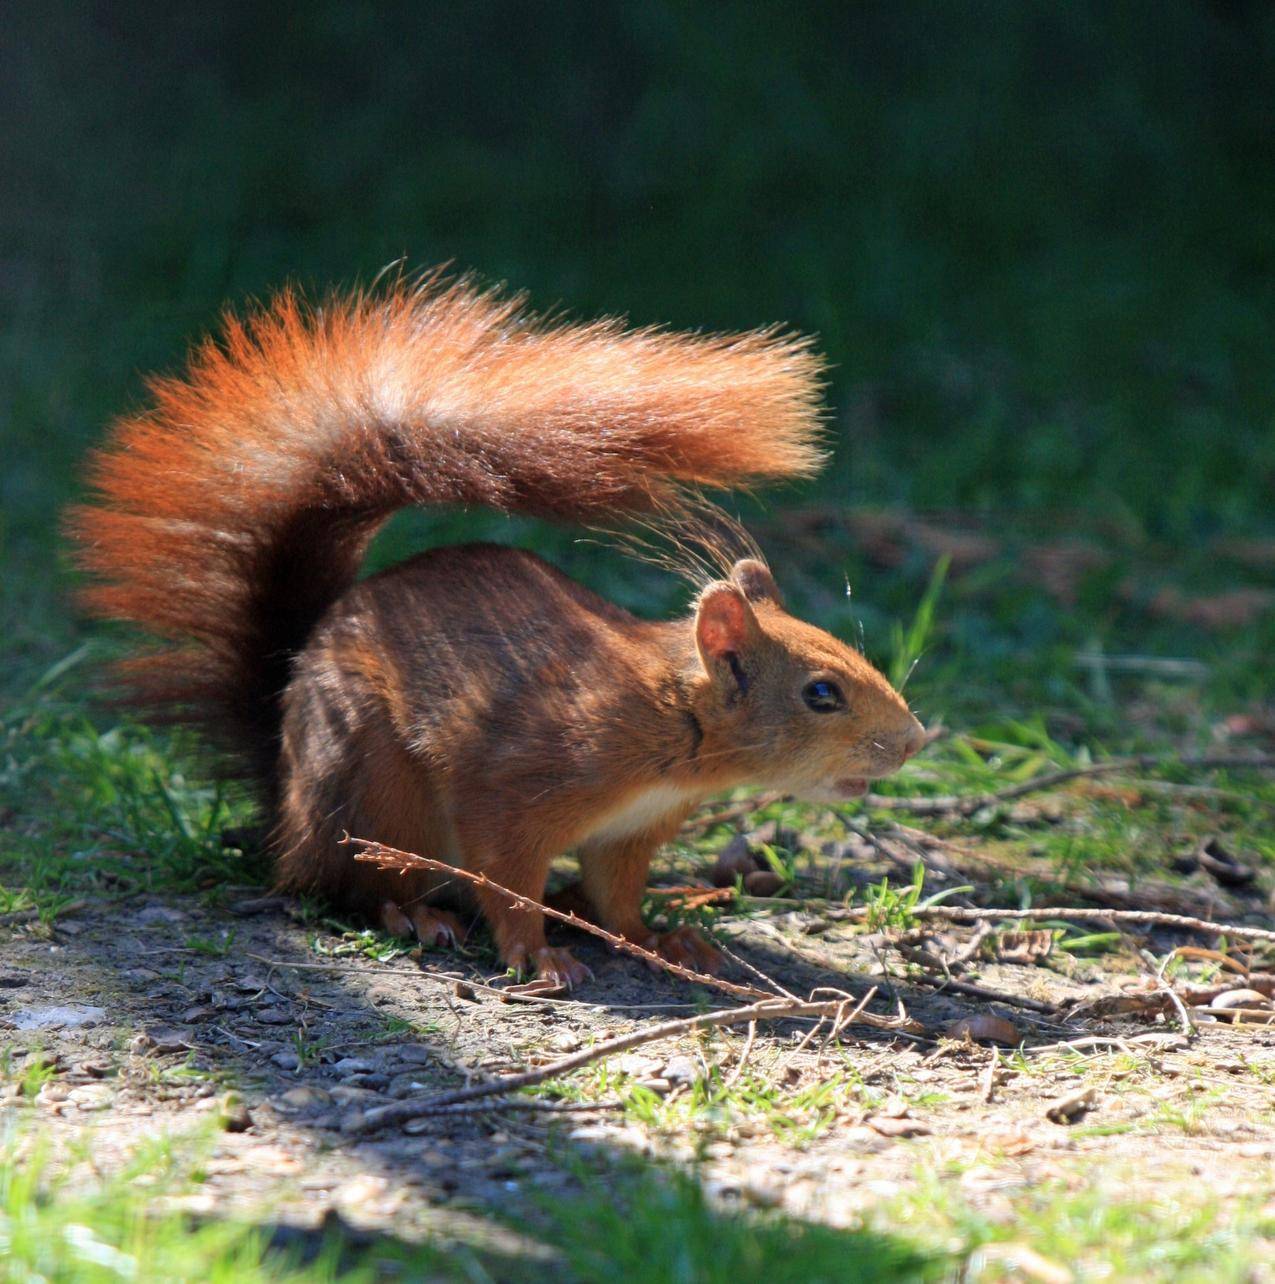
(60, 1220)
(1047, 305)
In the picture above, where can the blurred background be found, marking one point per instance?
(1035, 242)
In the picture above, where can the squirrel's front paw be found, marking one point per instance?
(687, 947)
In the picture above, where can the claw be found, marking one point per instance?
(558, 965)
(436, 928)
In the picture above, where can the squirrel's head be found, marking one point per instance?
(791, 706)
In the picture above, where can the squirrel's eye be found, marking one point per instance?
(823, 697)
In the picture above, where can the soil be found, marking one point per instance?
(152, 1007)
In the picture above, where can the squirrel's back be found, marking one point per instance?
(235, 508)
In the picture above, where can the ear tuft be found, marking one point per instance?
(723, 621)
(756, 581)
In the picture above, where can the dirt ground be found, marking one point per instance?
(150, 1008)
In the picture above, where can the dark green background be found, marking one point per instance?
(1035, 241)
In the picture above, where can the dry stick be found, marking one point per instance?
(397, 1112)
(532, 1104)
(393, 858)
(1155, 918)
(743, 1057)
(967, 804)
(982, 992)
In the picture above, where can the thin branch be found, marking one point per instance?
(1155, 918)
(968, 804)
(398, 1112)
(394, 859)
(533, 1104)
(982, 992)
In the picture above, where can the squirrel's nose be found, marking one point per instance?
(914, 740)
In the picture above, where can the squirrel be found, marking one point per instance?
(472, 703)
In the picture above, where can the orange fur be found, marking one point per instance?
(472, 703)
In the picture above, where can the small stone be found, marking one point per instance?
(91, 1069)
(680, 1070)
(734, 861)
(286, 1059)
(273, 1016)
(374, 1081)
(164, 1038)
(90, 1097)
(891, 1126)
(155, 914)
(463, 990)
(198, 1013)
(1074, 1106)
(305, 1098)
(68, 1016)
(413, 1054)
(233, 1114)
(353, 1065)
(762, 882)
(406, 1084)
(345, 1095)
(12, 980)
(249, 984)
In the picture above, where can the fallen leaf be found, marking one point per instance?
(889, 1126)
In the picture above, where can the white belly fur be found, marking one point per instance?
(640, 812)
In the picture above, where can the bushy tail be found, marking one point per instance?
(237, 507)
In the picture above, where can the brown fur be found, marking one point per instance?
(472, 703)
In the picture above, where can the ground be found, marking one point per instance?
(220, 1045)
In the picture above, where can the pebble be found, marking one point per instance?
(412, 1054)
(66, 1016)
(345, 1095)
(159, 914)
(286, 1060)
(354, 1065)
(404, 1085)
(305, 1098)
(377, 1081)
(680, 1070)
(273, 1016)
(167, 1039)
(90, 1096)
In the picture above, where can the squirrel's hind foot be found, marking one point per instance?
(687, 947)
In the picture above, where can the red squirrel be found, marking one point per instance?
(472, 703)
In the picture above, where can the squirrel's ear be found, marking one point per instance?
(724, 623)
(755, 579)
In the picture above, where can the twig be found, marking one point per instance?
(518, 1103)
(772, 1009)
(392, 858)
(967, 804)
(982, 992)
(1156, 918)
(733, 1078)
(1157, 971)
